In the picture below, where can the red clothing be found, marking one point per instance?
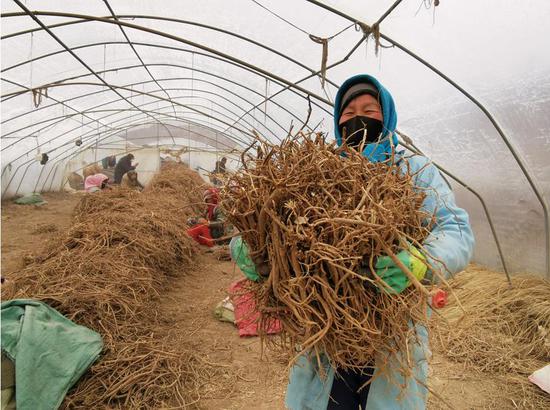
(212, 198)
(201, 234)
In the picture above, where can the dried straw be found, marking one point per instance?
(504, 332)
(106, 273)
(316, 217)
(222, 253)
(45, 228)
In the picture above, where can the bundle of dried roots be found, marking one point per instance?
(503, 330)
(106, 272)
(315, 218)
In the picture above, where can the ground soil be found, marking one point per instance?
(252, 381)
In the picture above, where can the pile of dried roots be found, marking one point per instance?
(106, 273)
(503, 331)
(316, 217)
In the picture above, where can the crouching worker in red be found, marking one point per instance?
(206, 230)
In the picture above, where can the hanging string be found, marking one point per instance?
(104, 60)
(367, 30)
(37, 94)
(319, 40)
(265, 99)
(281, 18)
(324, 58)
(31, 60)
(324, 53)
(427, 5)
(192, 73)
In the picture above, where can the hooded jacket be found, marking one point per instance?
(450, 243)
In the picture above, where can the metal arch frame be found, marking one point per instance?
(153, 64)
(517, 157)
(71, 52)
(164, 79)
(165, 35)
(175, 65)
(62, 103)
(181, 21)
(163, 18)
(413, 148)
(33, 15)
(271, 76)
(91, 109)
(136, 53)
(120, 87)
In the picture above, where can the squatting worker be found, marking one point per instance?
(211, 226)
(96, 183)
(124, 165)
(365, 118)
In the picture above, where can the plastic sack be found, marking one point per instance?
(239, 254)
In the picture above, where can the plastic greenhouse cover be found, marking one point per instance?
(198, 74)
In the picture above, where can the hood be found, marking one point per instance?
(377, 151)
(94, 181)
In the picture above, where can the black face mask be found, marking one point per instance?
(353, 130)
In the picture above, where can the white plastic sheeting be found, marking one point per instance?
(210, 66)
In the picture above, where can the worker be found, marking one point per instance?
(96, 183)
(365, 119)
(211, 227)
(220, 166)
(108, 162)
(130, 180)
(218, 170)
(124, 165)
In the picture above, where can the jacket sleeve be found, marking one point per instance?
(451, 242)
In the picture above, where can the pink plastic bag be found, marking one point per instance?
(246, 315)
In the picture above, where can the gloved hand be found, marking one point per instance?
(394, 277)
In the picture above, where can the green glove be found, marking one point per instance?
(239, 253)
(394, 277)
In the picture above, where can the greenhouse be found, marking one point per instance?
(188, 223)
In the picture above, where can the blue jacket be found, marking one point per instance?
(451, 242)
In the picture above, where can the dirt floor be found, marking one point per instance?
(252, 382)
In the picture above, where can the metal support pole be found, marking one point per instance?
(411, 147)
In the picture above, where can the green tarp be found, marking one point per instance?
(31, 199)
(49, 351)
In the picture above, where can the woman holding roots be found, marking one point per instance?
(365, 119)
